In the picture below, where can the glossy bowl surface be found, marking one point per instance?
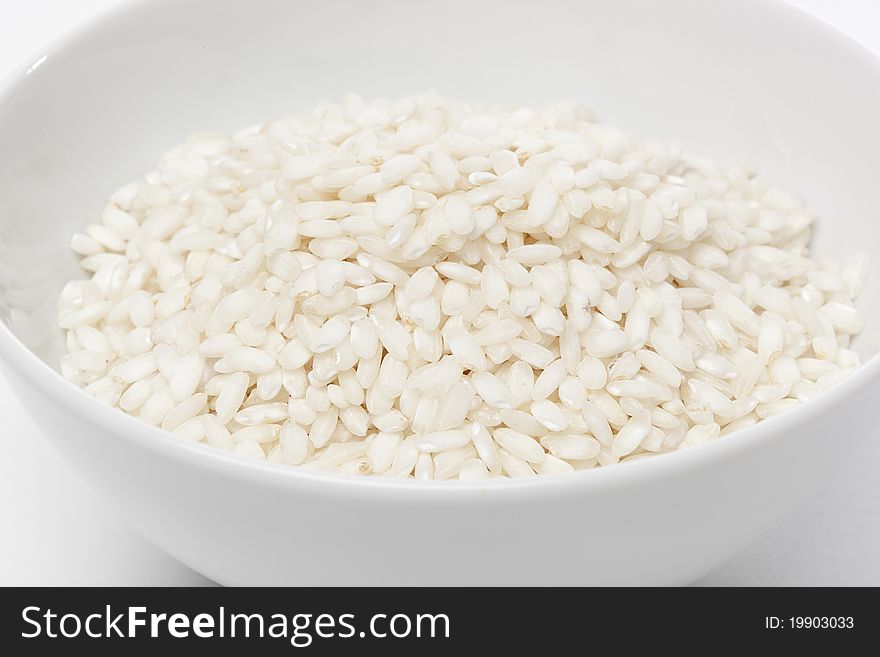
(754, 81)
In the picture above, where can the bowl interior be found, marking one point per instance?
(755, 82)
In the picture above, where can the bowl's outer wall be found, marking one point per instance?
(754, 81)
(240, 527)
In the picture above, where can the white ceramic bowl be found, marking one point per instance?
(752, 80)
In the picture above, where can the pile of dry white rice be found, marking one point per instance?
(443, 290)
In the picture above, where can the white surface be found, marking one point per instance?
(56, 531)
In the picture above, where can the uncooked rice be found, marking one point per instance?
(435, 289)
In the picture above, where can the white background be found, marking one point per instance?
(54, 530)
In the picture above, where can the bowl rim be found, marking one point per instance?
(163, 444)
